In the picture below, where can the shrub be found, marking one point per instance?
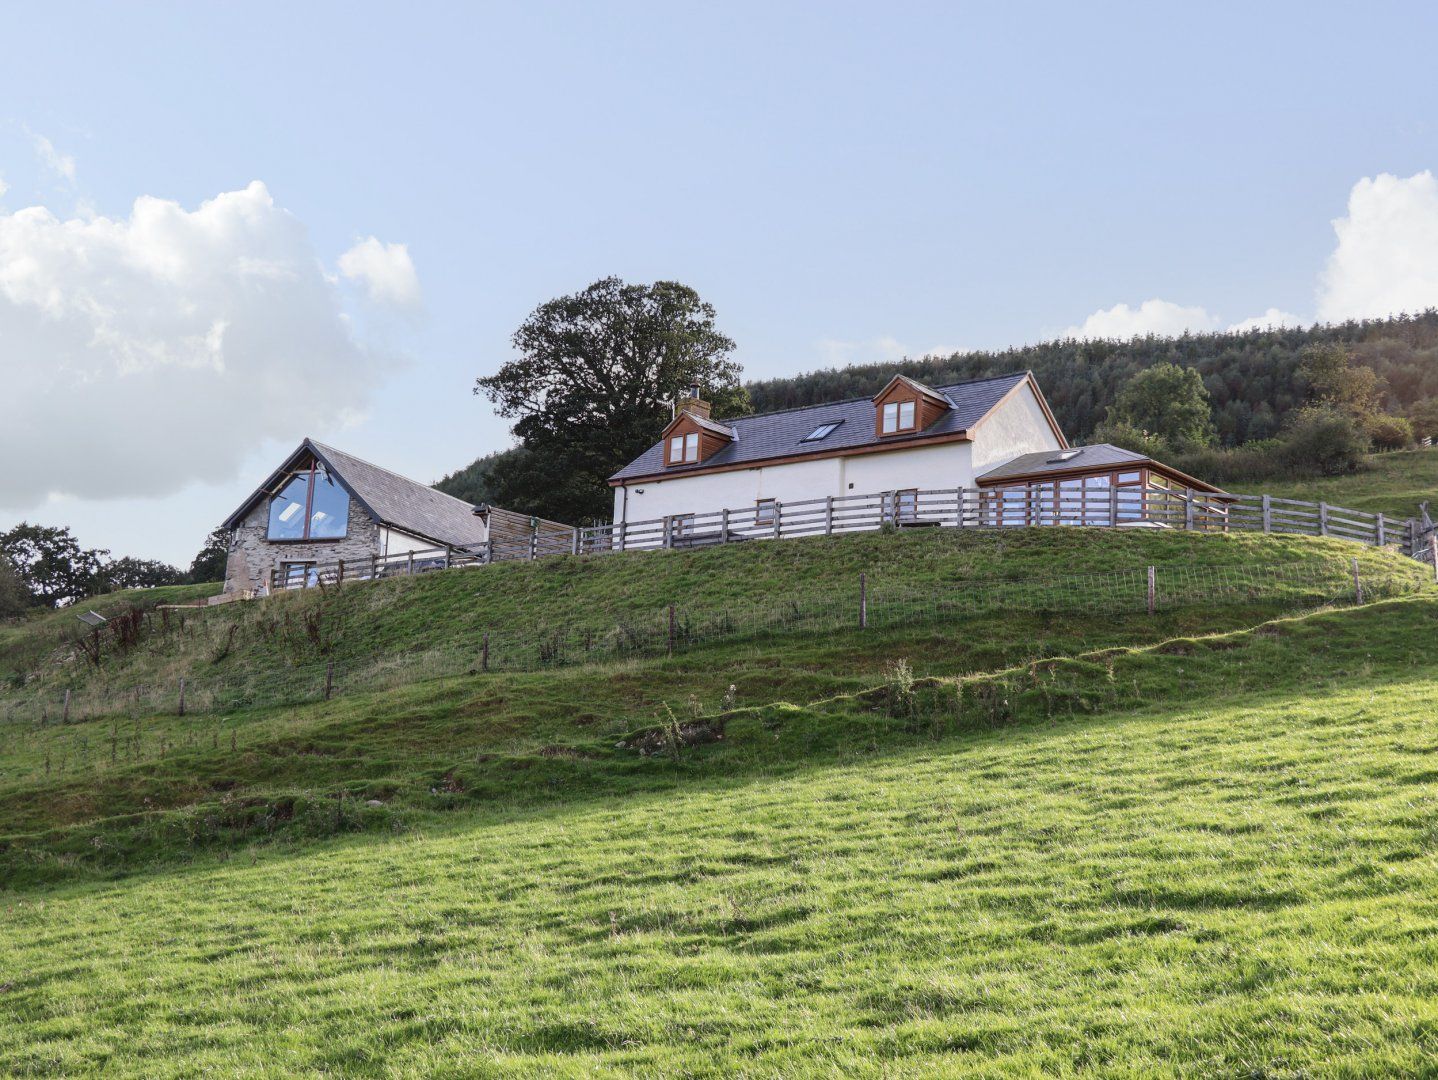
(1324, 440)
(1390, 432)
(1126, 435)
(1424, 415)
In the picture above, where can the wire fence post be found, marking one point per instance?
(65, 715)
(1152, 591)
(1357, 582)
(863, 601)
(671, 630)
(484, 653)
(182, 695)
(329, 679)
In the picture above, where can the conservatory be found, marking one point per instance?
(1098, 485)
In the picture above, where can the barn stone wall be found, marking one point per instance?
(253, 555)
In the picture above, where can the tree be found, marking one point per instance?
(15, 599)
(475, 482)
(132, 573)
(1389, 432)
(210, 563)
(1325, 440)
(1424, 417)
(591, 387)
(1129, 437)
(52, 565)
(1169, 402)
(1335, 380)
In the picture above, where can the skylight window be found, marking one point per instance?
(823, 431)
(1063, 455)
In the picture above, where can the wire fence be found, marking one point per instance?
(606, 635)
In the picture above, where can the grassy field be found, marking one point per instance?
(1390, 484)
(1198, 842)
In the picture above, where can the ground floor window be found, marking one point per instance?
(764, 512)
(298, 575)
(1097, 499)
(902, 505)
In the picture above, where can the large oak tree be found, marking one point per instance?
(592, 388)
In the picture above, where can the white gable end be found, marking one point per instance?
(1018, 425)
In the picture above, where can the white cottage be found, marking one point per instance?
(996, 436)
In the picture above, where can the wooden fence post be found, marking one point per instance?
(489, 551)
(373, 568)
(863, 601)
(65, 716)
(340, 572)
(959, 501)
(1152, 591)
(182, 695)
(668, 532)
(1112, 506)
(484, 653)
(724, 526)
(574, 544)
(1188, 509)
(1323, 519)
(778, 516)
(671, 629)
(623, 533)
(409, 565)
(329, 679)
(534, 544)
(1357, 583)
(1433, 552)
(1268, 513)
(829, 515)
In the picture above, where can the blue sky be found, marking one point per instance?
(843, 182)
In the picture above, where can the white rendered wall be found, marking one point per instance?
(1018, 426)
(942, 466)
(394, 542)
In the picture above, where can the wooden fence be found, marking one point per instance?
(955, 508)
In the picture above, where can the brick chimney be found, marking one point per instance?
(692, 403)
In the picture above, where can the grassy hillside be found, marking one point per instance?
(1024, 840)
(1389, 483)
(1213, 857)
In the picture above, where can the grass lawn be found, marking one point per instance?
(1212, 857)
(1390, 484)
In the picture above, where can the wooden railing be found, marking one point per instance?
(955, 508)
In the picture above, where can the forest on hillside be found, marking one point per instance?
(1252, 378)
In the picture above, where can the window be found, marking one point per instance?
(311, 506)
(904, 505)
(684, 448)
(680, 526)
(898, 416)
(764, 512)
(1064, 455)
(298, 575)
(823, 431)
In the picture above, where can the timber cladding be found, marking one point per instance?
(506, 526)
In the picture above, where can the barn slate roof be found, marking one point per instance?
(389, 498)
(780, 434)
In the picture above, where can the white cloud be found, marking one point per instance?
(145, 353)
(62, 165)
(385, 270)
(1273, 317)
(1162, 317)
(1386, 260)
(4, 187)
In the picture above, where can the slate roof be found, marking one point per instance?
(1097, 456)
(781, 434)
(390, 498)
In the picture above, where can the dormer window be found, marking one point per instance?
(898, 416)
(684, 449)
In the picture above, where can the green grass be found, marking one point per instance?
(1392, 484)
(1196, 843)
(1214, 857)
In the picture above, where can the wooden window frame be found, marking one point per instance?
(305, 538)
(899, 426)
(689, 446)
(765, 510)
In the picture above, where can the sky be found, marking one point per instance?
(226, 227)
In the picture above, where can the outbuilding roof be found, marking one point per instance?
(760, 438)
(389, 498)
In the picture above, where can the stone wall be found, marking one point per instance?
(253, 555)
